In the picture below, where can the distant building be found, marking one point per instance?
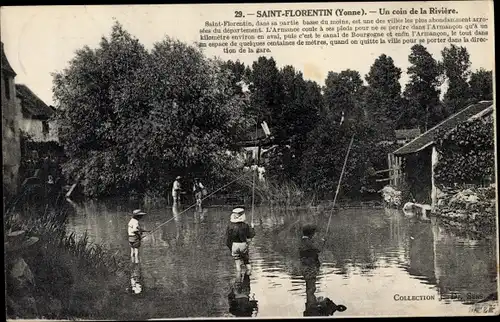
(255, 146)
(401, 137)
(404, 136)
(423, 152)
(11, 151)
(37, 118)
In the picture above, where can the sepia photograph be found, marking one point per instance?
(264, 160)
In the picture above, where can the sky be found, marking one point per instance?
(41, 40)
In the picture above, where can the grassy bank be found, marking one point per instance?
(73, 278)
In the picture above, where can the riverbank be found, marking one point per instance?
(469, 210)
(60, 276)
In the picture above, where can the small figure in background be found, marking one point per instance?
(135, 234)
(199, 191)
(176, 190)
(238, 236)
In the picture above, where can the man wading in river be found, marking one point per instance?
(176, 190)
(239, 234)
(199, 191)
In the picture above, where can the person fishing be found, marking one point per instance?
(135, 234)
(309, 251)
(199, 191)
(176, 190)
(309, 260)
(238, 236)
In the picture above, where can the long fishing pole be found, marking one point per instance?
(338, 188)
(209, 195)
(253, 177)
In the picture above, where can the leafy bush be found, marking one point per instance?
(132, 120)
(466, 154)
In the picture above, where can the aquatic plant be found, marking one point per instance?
(73, 276)
(285, 194)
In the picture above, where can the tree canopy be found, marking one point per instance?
(132, 119)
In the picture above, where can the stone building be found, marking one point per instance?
(36, 117)
(422, 157)
(11, 151)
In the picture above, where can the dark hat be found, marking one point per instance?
(309, 229)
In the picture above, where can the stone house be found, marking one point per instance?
(422, 156)
(11, 151)
(36, 117)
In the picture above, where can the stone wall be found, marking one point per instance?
(11, 151)
(472, 209)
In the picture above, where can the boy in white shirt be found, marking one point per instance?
(176, 190)
(135, 234)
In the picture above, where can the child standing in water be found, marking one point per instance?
(309, 261)
(135, 234)
(238, 236)
(310, 264)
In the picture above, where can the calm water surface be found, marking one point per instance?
(371, 257)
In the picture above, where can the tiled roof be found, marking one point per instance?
(407, 133)
(5, 64)
(450, 123)
(31, 104)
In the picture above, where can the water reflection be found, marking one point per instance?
(135, 279)
(241, 304)
(421, 251)
(377, 253)
(465, 273)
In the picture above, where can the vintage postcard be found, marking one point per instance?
(264, 160)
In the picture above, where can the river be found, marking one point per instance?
(374, 260)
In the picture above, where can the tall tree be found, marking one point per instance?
(132, 120)
(298, 115)
(422, 91)
(343, 94)
(324, 158)
(383, 95)
(266, 89)
(456, 64)
(239, 74)
(481, 84)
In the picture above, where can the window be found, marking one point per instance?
(6, 82)
(45, 127)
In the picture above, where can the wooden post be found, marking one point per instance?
(434, 190)
(390, 166)
(258, 154)
(398, 171)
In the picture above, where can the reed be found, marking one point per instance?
(275, 194)
(67, 268)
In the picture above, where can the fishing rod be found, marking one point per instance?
(209, 195)
(253, 178)
(338, 188)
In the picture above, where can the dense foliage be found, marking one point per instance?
(466, 154)
(456, 64)
(422, 91)
(132, 119)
